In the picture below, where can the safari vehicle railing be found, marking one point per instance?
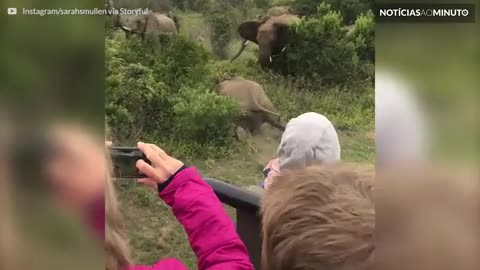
(247, 205)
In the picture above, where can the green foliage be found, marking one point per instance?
(246, 68)
(134, 98)
(221, 34)
(162, 94)
(160, 5)
(334, 59)
(262, 3)
(109, 26)
(203, 116)
(282, 2)
(364, 36)
(131, 4)
(350, 108)
(349, 9)
(180, 62)
(194, 5)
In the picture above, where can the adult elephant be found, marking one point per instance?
(269, 33)
(147, 24)
(256, 108)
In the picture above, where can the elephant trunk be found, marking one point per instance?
(242, 48)
(265, 56)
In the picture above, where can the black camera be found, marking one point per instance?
(124, 162)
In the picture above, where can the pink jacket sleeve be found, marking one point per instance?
(210, 230)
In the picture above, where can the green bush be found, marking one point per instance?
(282, 2)
(262, 3)
(204, 116)
(131, 3)
(134, 98)
(109, 26)
(160, 5)
(333, 59)
(180, 62)
(164, 95)
(221, 32)
(194, 5)
(364, 36)
(349, 9)
(246, 68)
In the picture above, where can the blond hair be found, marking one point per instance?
(116, 245)
(321, 217)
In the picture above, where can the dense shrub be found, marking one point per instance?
(349, 9)
(221, 32)
(334, 58)
(131, 4)
(165, 95)
(364, 36)
(160, 5)
(134, 98)
(282, 2)
(180, 62)
(262, 3)
(109, 26)
(194, 5)
(203, 116)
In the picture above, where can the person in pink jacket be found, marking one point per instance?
(210, 230)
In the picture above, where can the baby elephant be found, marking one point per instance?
(255, 106)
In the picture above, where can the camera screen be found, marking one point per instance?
(124, 160)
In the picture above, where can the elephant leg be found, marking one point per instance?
(255, 121)
(243, 125)
(275, 121)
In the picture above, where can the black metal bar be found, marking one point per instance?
(248, 228)
(234, 196)
(247, 205)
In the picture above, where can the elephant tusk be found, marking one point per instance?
(284, 48)
(124, 28)
(271, 59)
(246, 42)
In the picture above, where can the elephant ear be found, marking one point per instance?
(142, 21)
(249, 30)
